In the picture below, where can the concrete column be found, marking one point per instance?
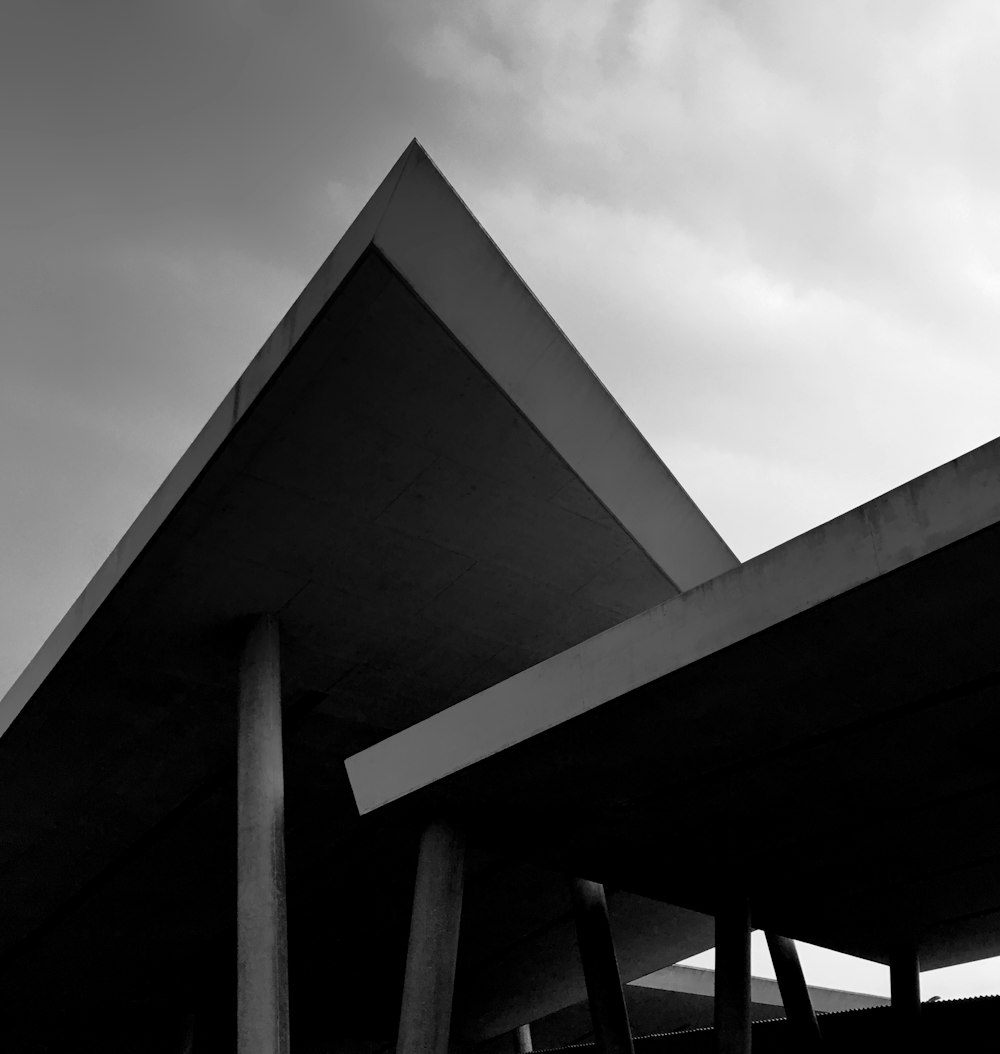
(732, 977)
(608, 1012)
(262, 953)
(429, 985)
(794, 992)
(522, 1039)
(184, 1042)
(904, 988)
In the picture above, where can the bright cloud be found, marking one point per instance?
(769, 227)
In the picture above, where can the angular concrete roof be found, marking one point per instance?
(817, 725)
(422, 478)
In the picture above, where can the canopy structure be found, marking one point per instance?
(843, 686)
(416, 491)
(422, 704)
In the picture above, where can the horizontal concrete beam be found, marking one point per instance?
(942, 506)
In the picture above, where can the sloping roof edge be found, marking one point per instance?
(943, 505)
(207, 443)
(418, 222)
(460, 273)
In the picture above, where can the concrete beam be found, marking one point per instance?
(940, 507)
(600, 968)
(429, 985)
(262, 953)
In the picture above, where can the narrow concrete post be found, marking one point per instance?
(794, 992)
(262, 952)
(522, 1039)
(608, 1011)
(185, 1036)
(429, 985)
(732, 977)
(904, 989)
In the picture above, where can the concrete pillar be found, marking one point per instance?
(608, 1012)
(187, 1036)
(262, 952)
(732, 977)
(522, 1039)
(904, 988)
(794, 992)
(429, 985)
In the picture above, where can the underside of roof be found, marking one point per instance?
(814, 727)
(425, 483)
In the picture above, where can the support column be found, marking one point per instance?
(794, 992)
(732, 977)
(262, 952)
(904, 988)
(608, 1012)
(185, 1035)
(522, 1040)
(429, 985)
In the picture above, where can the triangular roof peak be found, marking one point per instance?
(420, 226)
(435, 242)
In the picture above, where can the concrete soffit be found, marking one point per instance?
(426, 233)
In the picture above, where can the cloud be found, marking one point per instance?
(98, 404)
(771, 229)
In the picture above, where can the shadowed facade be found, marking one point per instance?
(421, 703)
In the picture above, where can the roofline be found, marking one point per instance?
(459, 272)
(942, 506)
(420, 225)
(234, 406)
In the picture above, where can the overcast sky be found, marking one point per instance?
(770, 227)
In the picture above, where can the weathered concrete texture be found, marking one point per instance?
(262, 941)
(429, 984)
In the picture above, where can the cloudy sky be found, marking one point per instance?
(771, 228)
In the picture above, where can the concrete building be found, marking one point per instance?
(422, 700)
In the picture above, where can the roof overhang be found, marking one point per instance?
(816, 725)
(419, 475)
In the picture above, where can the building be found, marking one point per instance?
(419, 589)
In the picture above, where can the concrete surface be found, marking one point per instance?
(842, 686)
(422, 480)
